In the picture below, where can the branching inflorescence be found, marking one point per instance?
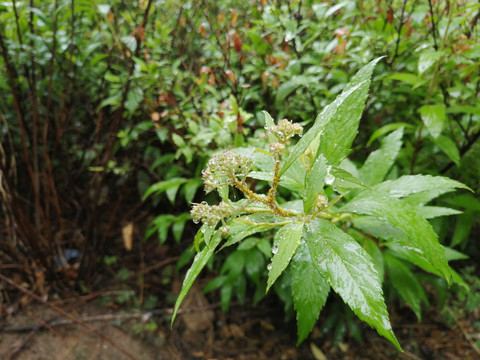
(232, 169)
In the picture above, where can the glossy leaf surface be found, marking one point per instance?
(379, 162)
(199, 263)
(286, 241)
(337, 137)
(309, 290)
(421, 235)
(349, 270)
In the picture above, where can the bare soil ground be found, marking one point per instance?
(204, 332)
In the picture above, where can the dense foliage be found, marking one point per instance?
(105, 103)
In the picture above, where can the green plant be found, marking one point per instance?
(312, 241)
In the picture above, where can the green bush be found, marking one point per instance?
(318, 238)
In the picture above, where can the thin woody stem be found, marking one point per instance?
(273, 190)
(270, 202)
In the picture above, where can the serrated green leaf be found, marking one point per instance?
(309, 290)
(399, 214)
(286, 241)
(406, 284)
(411, 254)
(380, 229)
(433, 116)
(412, 184)
(430, 212)
(374, 251)
(199, 263)
(320, 122)
(423, 197)
(449, 147)
(379, 162)
(337, 137)
(453, 254)
(314, 182)
(343, 179)
(350, 272)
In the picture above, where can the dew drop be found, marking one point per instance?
(329, 178)
(274, 250)
(269, 267)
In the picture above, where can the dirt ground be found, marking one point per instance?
(204, 332)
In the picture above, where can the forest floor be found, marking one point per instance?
(102, 326)
(203, 331)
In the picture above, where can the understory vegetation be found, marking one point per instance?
(326, 147)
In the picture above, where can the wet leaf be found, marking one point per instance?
(199, 263)
(448, 146)
(433, 116)
(314, 183)
(412, 184)
(349, 270)
(309, 290)
(406, 284)
(339, 132)
(379, 162)
(420, 234)
(286, 241)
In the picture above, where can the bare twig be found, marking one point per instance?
(465, 334)
(51, 323)
(399, 31)
(17, 348)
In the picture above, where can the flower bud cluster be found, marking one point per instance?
(321, 202)
(210, 215)
(223, 169)
(285, 130)
(277, 149)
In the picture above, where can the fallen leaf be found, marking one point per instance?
(127, 233)
(317, 353)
